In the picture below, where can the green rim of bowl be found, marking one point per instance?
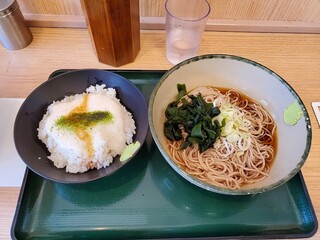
(205, 185)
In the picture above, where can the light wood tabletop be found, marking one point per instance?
(295, 57)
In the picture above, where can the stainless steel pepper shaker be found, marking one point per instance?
(14, 32)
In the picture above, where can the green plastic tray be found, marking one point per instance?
(147, 199)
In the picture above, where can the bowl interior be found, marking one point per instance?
(255, 81)
(34, 153)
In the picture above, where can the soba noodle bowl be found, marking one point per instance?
(245, 148)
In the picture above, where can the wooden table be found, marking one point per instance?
(295, 57)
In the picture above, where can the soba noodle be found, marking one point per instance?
(244, 151)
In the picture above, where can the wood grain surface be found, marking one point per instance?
(295, 57)
(226, 15)
(284, 10)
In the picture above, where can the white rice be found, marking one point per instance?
(108, 139)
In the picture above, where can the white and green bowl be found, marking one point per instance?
(255, 81)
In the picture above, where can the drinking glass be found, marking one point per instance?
(185, 23)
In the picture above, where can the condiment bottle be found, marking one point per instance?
(114, 27)
(14, 32)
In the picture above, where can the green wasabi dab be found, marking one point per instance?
(129, 151)
(293, 113)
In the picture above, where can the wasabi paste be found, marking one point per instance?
(292, 113)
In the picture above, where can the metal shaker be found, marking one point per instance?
(14, 32)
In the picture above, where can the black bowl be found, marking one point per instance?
(34, 153)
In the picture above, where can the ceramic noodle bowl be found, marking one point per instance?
(258, 83)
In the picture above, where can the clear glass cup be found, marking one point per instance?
(185, 23)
